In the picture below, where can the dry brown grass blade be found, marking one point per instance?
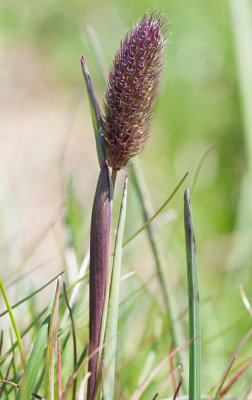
(230, 363)
(234, 378)
(6, 377)
(143, 386)
(72, 377)
(1, 343)
(171, 374)
(5, 356)
(180, 381)
(174, 383)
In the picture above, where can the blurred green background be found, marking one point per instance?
(202, 118)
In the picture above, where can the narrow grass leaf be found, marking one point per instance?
(95, 113)
(34, 361)
(109, 353)
(157, 212)
(74, 337)
(59, 371)
(98, 52)
(23, 361)
(143, 198)
(200, 164)
(32, 294)
(51, 342)
(193, 303)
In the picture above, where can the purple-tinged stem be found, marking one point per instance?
(99, 251)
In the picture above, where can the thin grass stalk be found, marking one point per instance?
(1, 342)
(19, 342)
(156, 251)
(157, 212)
(139, 391)
(193, 304)
(171, 374)
(109, 352)
(32, 294)
(234, 378)
(74, 338)
(59, 371)
(51, 343)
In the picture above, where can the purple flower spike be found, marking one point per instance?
(132, 87)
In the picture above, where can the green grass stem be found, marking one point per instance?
(241, 26)
(154, 243)
(19, 342)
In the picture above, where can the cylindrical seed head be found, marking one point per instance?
(132, 87)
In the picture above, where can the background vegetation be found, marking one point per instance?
(48, 170)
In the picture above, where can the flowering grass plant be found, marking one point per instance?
(76, 344)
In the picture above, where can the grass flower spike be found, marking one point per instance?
(132, 87)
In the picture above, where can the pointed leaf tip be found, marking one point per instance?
(58, 283)
(95, 112)
(187, 195)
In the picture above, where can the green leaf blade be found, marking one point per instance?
(95, 113)
(193, 303)
(51, 343)
(36, 355)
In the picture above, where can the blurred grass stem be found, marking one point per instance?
(241, 25)
(8, 306)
